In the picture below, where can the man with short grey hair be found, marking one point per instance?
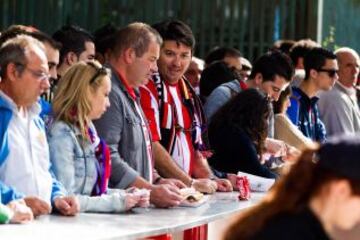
(123, 126)
(24, 154)
(338, 107)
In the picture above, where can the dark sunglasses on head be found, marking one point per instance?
(330, 72)
(99, 71)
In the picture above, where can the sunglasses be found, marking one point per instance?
(99, 71)
(330, 72)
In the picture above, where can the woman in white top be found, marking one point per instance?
(285, 130)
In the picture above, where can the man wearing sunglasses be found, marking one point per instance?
(320, 74)
(297, 54)
(338, 107)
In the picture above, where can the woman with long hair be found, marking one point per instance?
(237, 134)
(320, 194)
(80, 159)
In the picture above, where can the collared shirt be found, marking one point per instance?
(339, 110)
(27, 166)
(129, 89)
(144, 127)
(304, 113)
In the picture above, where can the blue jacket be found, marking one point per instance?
(7, 194)
(46, 112)
(5, 117)
(304, 113)
(75, 165)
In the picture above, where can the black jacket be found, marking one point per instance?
(296, 226)
(234, 151)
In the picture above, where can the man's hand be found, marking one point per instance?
(37, 205)
(68, 206)
(201, 167)
(204, 185)
(223, 185)
(165, 195)
(172, 181)
(22, 213)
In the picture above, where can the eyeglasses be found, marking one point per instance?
(42, 76)
(330, 72)
(99, 71)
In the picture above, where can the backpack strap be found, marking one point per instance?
(233, 92)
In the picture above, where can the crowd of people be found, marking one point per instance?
(126, 117)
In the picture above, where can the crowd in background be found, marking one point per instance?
(126, 117)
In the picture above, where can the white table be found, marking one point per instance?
(135, 224)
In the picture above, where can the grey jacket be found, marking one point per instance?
(339, 110)
(121, 128)
(74, 164)
(220, 96)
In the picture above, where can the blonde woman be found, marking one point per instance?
(81, 160)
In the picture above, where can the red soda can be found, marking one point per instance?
(242, 182)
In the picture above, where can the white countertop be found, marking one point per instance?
(135, 224)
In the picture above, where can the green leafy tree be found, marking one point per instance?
(329, 41)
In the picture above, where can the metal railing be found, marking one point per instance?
(248, 25)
